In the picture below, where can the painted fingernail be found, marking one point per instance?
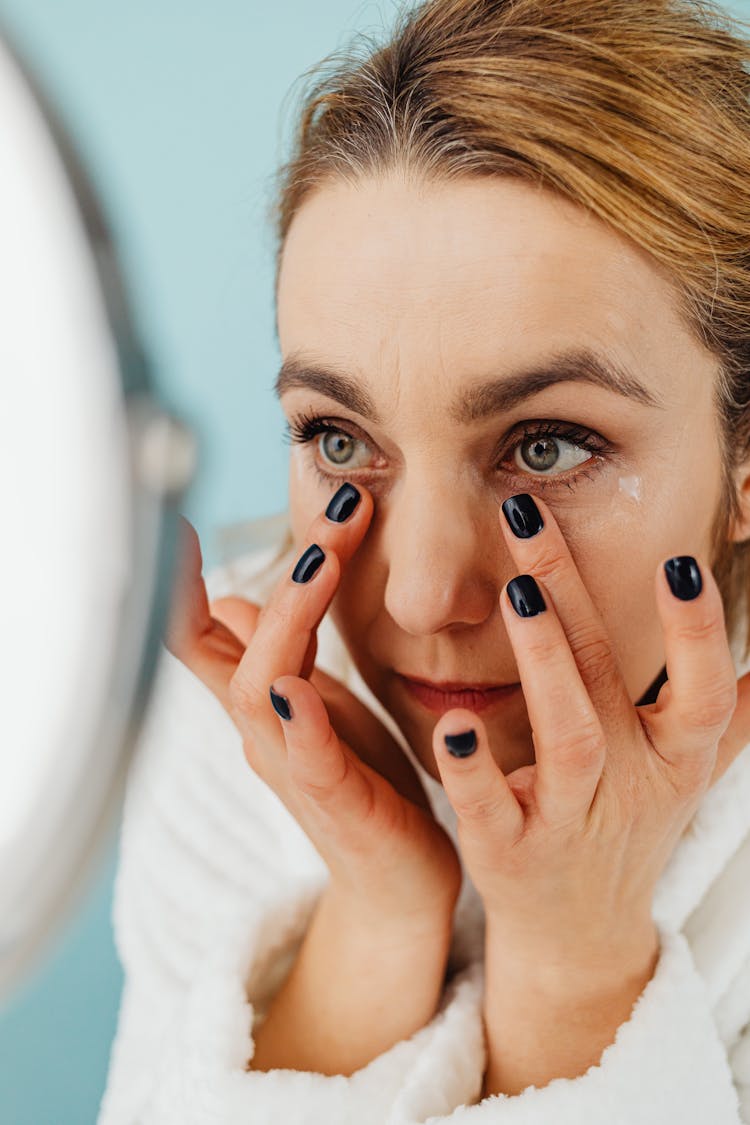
(280, 705)
(308, 563)
(684, 577)
(343, 503)
(461, 745)
(525, 596)
(523, 516)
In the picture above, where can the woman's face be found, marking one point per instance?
(417, 297)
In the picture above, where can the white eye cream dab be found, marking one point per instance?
(631, 486)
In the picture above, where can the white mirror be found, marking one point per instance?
(93, 471)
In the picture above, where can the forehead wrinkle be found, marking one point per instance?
(491, 397)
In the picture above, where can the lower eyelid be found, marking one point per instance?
(596, 461)
(566, 480)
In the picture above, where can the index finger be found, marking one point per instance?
(288, 622)
(538, 547)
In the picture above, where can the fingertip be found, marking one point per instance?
(461, 745)
(308, 713)
(458, 734)
(683, 575)
(189, 545)
(280, 702)
(476, 788)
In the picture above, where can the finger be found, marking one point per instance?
(241, 617)
(359, 727)
(308, 663)
(702, 678)
(189, 616)
(281, 643)
(569, 741)
(203, 643)
(237, 614)
(322, 767)
(545, 554)
(474, 784)
(284, 631)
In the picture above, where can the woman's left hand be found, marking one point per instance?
(566, 853)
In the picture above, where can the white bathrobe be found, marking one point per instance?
(216, 886)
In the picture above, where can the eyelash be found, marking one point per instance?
(303, 428)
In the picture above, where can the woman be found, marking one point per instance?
(513, 306)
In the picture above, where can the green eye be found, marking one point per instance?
(541, 440)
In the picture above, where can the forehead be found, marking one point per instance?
(465, 277)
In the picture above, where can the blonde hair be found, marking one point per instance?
(638, 110)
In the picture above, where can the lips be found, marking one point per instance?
(438, 698)
(453, 685)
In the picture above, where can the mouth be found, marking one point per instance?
(440, 698)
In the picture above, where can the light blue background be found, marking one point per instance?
(179, 108)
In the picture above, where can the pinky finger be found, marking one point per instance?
(189, 615)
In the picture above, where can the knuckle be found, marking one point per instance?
(479, 809)
(714, 707)
(701, 627)
(541, 652)
(595, 657)
(691, 777)
(583, 750)
(279, 612)
(246, 698)
(323, 790)
(553, 562)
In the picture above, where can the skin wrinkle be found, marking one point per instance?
(486, 399)
(427, 290)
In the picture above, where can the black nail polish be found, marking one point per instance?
(308, 563)
(280, 705)
(523, 516)
(525, 596)
(684, 577)
(343, 503)
(461, 745)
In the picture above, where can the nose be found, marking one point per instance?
(447, 559)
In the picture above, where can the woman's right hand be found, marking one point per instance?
(334, 765)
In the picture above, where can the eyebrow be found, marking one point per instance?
(494, 396)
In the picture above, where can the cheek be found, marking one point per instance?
(617, 554)
(358, 601)
(620, 529)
